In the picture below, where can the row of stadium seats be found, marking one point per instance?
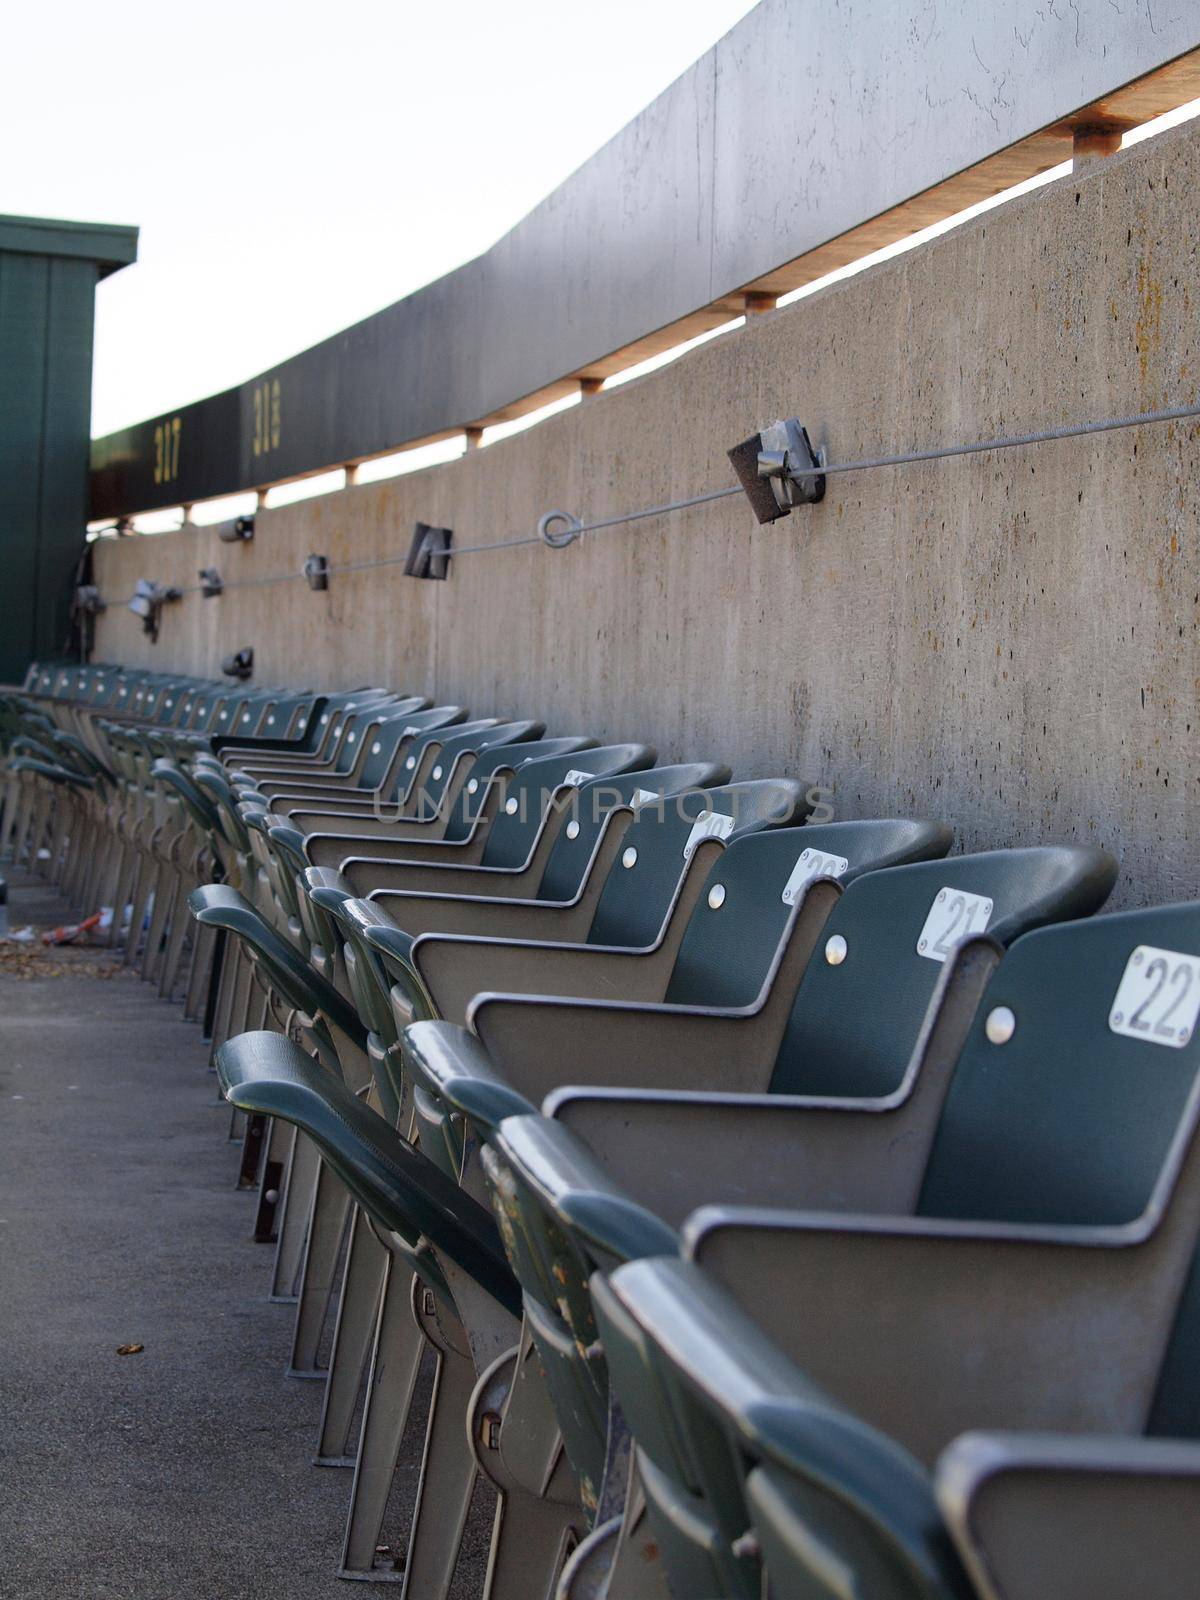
(793, 1208)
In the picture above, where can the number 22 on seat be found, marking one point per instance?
(1158, 997)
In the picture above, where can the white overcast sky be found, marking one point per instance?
(293, 167)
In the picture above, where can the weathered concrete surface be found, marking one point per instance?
(184, 1471)
(1007, 641)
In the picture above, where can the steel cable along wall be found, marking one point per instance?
(558, 529)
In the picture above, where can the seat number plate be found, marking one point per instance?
(712, 825)
(1158, 997)
(573, 779)
(954, 916)
(812, 864)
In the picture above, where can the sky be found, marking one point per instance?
(294, 167)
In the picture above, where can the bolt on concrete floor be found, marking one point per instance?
(183, 1470)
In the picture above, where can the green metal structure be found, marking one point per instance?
(48, 277)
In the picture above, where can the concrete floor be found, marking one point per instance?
(182, 1471)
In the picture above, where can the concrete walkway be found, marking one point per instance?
(185, 1470)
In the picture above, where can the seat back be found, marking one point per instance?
(493, 764)
(597, 802)
(460, 748)
(244, 710)
(387, 731)
(122, 700)
(538, 786)
(170, 709)
(101, 686)
(281, 713)
(347, 732)
(267, 714)
(729, 946)
(325, 728)
(1067, 1118)
(889, 936)
(294, 725)
(659, 842)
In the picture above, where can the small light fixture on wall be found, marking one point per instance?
(779, 470)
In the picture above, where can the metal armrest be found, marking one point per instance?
(454, 969)
(1079, 1518)
(836, 1492)
(220, 906)
(543, 1043)
(674, 1150)
(315, 816)
(401, 1189)
(484, 916)
(926, 1328)
(454, 878)
(287, 787)
(354, 824)
(582, 1193)
(389, 857)
(452, 1064)
(410, 838)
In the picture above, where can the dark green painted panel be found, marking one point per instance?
(46, 323)
(67, 424)
(24, 293)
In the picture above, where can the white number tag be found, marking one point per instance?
(812, 864)
(645, 797)
(712, 825)
(573, 778)
(954, 916)
(1158, 997)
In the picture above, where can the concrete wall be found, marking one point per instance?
(1007, 641)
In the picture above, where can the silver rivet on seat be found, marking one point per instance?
(629, 858)
(716, 896)
(473, 786)
(835, 950)
(350, 738)
(437, 772)
(245, 716)
(271, 720)
(376, 748)
(1000, 1025)
(572, 829)
(511, 806)
(410, 763)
